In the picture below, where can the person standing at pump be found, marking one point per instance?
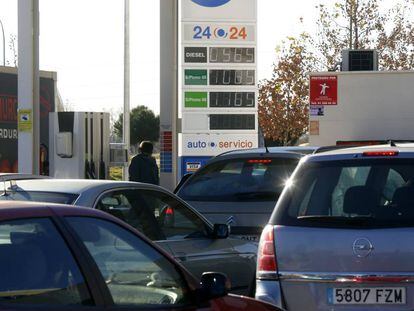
(143, 167)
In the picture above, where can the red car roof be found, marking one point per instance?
(10, 210)
(20, 209)
(23, 209)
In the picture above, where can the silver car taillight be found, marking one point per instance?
(266, 258)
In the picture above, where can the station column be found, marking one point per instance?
(168, 92)
(28, 87)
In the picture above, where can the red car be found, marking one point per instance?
(59, 257)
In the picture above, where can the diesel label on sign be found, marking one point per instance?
(195, 55)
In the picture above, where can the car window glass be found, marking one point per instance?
(157, 215)
(306, 197)
(231, 168)
(354, 192)
(36, 266)
(176, 221)
(394, 181)
(239, 180)
(116, 204)
(349, 177)
(136, 273)
(130, 206)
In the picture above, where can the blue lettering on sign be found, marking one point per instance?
(211, 3)
(196, 144)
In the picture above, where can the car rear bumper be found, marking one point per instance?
(310, 290)
(356, 278)
(269, 291)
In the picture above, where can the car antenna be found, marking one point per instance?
(392, 143)
(265, 145)
(262, 136)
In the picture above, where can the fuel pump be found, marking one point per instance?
(79, 145)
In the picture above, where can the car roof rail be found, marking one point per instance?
(362, 143)
(227, 152)
(394, 142)
(333, 147)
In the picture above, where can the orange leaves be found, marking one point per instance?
(283, 100)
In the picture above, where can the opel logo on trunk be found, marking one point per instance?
(362, 247)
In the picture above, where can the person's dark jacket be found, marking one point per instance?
(143, 168)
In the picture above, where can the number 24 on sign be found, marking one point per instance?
(233, 33)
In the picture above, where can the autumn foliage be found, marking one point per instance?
(283, 107)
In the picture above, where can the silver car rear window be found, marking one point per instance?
(362, 193)
(256, 179)
(40, 196)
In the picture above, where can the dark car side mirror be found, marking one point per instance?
(221, 231)
(214, 285)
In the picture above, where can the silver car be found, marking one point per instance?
(241, 187)
(342, 234)
(161, 216)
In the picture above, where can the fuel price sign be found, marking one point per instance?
(219, 76)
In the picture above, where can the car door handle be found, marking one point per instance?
(181, 256)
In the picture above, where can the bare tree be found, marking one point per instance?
(363, 24)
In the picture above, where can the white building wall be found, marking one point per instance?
(371, 106)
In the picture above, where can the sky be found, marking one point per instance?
(82, 40)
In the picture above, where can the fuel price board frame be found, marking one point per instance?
(219, 71)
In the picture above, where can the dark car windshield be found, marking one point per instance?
(361, 193)
(258, 179)
(39, 196)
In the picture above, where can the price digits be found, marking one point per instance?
(231, 55)
(232, 77)
(232, 99)
(232, 122)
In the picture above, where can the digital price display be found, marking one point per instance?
(232, 99)
(231, 55)
(232, 77)
(232, 122)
